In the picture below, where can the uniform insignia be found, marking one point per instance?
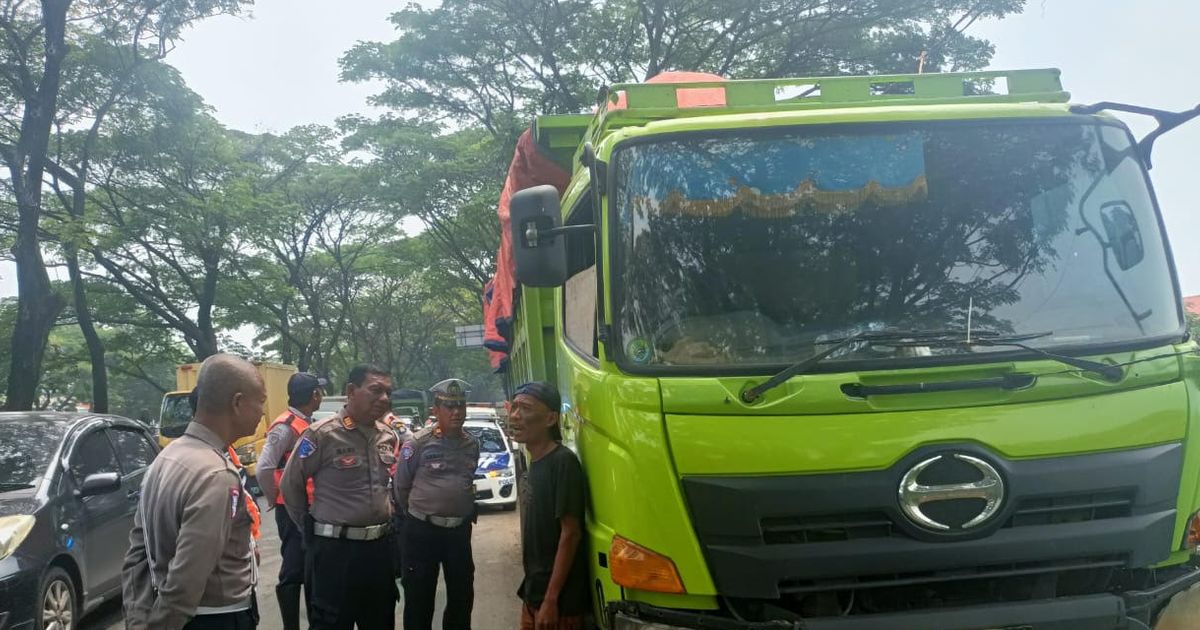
(406, 451)
(305, 448)
(347, 461)
(347, 422)
(235, 495)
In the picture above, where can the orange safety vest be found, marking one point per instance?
(298, 425)
(251, 506)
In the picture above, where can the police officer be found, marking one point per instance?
(350, 458)
(403, 434)
(190, 562)
(305, 392)
(434, 486)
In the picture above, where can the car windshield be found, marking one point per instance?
(758, 249)
(25, 451)
(490, 439)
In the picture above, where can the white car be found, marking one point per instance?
(486, 414)
(329, 407)
(496, 476)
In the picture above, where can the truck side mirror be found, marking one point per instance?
(540, 254)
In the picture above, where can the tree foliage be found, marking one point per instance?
(179, 235)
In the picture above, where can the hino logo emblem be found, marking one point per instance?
(914, 495)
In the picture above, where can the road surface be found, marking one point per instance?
(497, 547)
(497, 573)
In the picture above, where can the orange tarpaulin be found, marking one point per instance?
(685, 97)
(529, 167)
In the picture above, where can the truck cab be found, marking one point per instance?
(864, 352)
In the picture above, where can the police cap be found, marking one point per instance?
(451, 390)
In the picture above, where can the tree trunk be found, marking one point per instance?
(38, 305)
(94, 345)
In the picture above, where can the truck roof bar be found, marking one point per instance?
(645, 102)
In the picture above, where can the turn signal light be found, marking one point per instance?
(633, 566)
(1192, 539)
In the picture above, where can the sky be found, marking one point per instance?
(278, 68)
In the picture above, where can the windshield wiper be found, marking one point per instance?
(10, 485)
(930, 338)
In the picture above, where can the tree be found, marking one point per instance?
(35, 46)
(495, 63)
(300, 281)
(450, 182)
(171, 206)
(102, 81)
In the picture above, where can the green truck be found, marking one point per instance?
(888, 352)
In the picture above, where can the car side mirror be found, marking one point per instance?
(99, 483)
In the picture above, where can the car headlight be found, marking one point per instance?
(13, 530)
(502, 473)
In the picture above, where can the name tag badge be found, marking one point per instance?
(347, 461)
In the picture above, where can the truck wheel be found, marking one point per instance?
(57, 609)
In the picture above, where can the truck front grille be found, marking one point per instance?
(1053, 510)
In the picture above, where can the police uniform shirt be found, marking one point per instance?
(351, 466)
(191, 544)
(280, 439)
(436, 474)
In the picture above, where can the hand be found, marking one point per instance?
(547, 615)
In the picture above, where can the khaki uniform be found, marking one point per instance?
(435, 488)
(436, 474)
(190, 550)
(347, 526)
(350, 464)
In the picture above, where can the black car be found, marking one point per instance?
(69, 487)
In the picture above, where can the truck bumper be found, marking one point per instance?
(1128, 611)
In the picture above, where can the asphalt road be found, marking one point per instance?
(497, 548)
(497, 573)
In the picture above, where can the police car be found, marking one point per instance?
(496, 477)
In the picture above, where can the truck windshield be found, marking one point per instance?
(759, 248)
(175, 416)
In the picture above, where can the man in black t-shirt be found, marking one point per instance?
(553, 552)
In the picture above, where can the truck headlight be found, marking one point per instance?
(13, 530)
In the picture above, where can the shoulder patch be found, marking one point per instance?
(235, 495)
(406, 451)
(305, 447)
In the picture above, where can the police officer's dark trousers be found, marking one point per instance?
(353, 583)
(292, 576)
(426, 548)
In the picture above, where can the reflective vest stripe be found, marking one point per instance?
(298, 425)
